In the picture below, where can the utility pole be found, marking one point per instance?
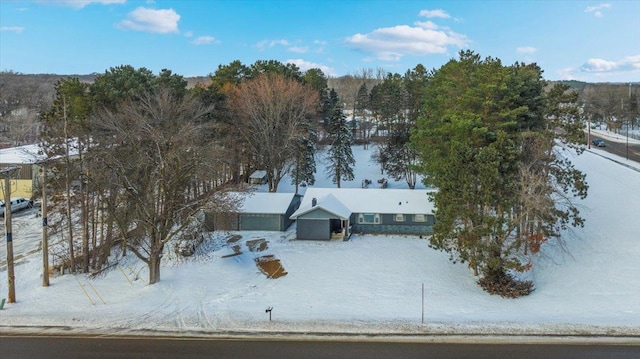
(589, 131)
(627, 124)
(629, 121)
(45, 239)
(7, 173)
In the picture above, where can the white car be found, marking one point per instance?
(17, 204)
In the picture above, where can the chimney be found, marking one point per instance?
(314, 201)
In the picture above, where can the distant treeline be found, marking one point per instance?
(31, 94)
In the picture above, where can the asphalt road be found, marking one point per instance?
(619, 149)
(104, 347)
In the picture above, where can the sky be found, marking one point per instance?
(591, 41)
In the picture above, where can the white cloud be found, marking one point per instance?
(392, 43)
(299, 49)
(262, 44)
(628, 64)
(205, 40)
(161, 21)
(281, 42)
(596, 9)
(306, 65)
(526, 50)
(430, 25)
(320, 46)
(79, 4)
(16, 29)
(567, 73)
(188, 34)
(434, 13)
(271, 43)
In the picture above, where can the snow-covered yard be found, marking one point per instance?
(370, 284)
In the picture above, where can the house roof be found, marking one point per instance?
(328, 202)
(30, 154)
(264, 202)
(22, 154)
(375, 200)
(258, 174)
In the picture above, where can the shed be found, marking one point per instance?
(258, 177)
(258, 211)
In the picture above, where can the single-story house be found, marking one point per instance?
(258, 177)
(257, 211)
(330, 213)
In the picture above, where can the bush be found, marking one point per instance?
(506, 286)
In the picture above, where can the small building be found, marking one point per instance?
(257, 211)
(330, 213)
(27, 159)
(258, 177)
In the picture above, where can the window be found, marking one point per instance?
(419, 218)
(399, 217)
(369, 218)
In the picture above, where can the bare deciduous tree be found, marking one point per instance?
(272, 111)
(153, 150)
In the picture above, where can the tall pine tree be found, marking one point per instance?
(304, 169)
(487, 141)
(339, 156)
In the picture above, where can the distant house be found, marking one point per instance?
(258, 211)
(27, 159)
(334, 213)
(258, 177)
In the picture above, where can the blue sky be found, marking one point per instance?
(590, 41)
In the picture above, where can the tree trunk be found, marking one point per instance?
(154, 268)
(68, 188)
(84, 197)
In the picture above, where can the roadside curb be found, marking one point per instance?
(613, 160)
(459, 337)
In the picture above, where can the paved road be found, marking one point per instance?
(73, 347)
(619, 149)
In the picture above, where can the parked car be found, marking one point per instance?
(17, 204)
(598, 142)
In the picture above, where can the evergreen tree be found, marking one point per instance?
(173, 82)
(361, 107)
(486, 140)
(340, 157)
(66, 131)
(304, 169)
(288, 70)
(401, 98)
(224, 130)
(120, 83)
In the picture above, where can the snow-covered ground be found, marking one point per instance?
(370, 284)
